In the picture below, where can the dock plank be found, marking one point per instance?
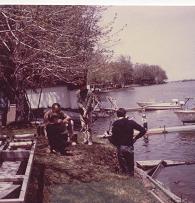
(9, 191)
(152, 163)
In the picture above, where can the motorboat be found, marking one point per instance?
(174, 104)
(143, 104)
(186, 116)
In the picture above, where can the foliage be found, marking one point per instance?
(148, 74)
(115, 72)
(123, 72)
(41, 45)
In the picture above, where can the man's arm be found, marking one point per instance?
(114, 139)
(139, 128)
(80, 104)
(64, 118)
(46, 117)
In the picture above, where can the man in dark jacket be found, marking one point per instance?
(122, 137)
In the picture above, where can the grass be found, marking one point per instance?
(89, 174)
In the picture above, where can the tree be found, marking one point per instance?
(148, 74)
(45, 44)
(125, 70)
(119, 72)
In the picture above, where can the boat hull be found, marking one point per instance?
(186, 116)
(162, 107)
(159, 106)
(143, 104)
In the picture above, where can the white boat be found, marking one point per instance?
(186, 116)
(143, 104)
(174, 104)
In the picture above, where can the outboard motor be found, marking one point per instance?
(182, 103)
(176, 101)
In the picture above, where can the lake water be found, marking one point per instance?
(173, 146)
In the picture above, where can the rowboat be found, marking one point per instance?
(174, 104)
(186, 116)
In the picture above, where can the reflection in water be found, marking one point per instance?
(176, 178)
(173, 146)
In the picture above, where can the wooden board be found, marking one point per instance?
(23, 178)
(8, 191)
(152, 163)
(25, 136)
(27, 174)
(18, 155)
(26, 144)
(12, 178)
(171, 196)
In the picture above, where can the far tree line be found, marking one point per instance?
(123, 72)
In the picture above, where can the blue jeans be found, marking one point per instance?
(126, 159)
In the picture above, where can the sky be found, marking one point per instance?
(161, 35)
(158, 32)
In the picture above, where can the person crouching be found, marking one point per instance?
(57, 134)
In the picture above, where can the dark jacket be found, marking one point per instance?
(123, 130)
(4, 103)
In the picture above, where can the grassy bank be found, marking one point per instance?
(87, 174)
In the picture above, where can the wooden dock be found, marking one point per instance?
(162, 130)
(157, 189)
(127, 109)
(148, 164)
(20, 150)
(150, 169)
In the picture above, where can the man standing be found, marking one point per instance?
(122, 138)
(85, 99)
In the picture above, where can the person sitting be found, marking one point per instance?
(57, 134)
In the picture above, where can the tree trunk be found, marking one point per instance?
(22, 107)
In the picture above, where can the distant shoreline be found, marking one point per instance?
(138, 85)
(184, 80)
